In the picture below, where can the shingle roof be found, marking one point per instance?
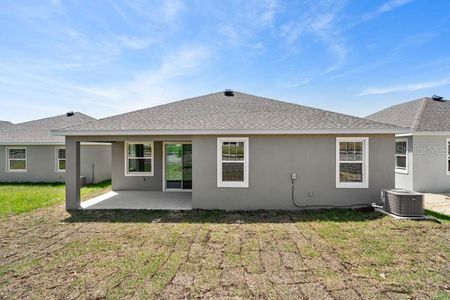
(4, 124)
(38, 131)
(217, 112)
(422, 115)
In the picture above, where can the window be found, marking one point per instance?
(60, 159)
(448, 156)
(352, 169)
(16, 159)
(232, 162)
(138, 159)
(401, 155)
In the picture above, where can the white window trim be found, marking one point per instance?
(8, 160)
(365, 163)
(57, 159)
(407, 154)
(447, 156)
(127, 173)
(232, 184)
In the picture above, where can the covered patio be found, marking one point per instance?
(159, 178)
(150, 200)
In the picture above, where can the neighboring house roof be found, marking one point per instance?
(217, 113)
(38, 131)
(4, 124)
(422, 115)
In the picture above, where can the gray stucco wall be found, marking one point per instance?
(271, 161)
(402, 180)
(139, 183)
(99, 157)
(429, 166)
(41, 164)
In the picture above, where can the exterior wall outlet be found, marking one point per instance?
(293, 176)
(310, 194)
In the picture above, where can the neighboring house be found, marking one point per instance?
(4, 124)
(422, 158)
(236, 151)
(30, 153)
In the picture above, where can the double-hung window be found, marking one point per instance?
(232, 162)
(448, 156)
(60, 159)
(401, 156)
(139, 158)
(352, 168)
(16, 159)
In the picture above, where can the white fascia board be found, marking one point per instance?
(29, 144)
(223, 131)
(431, 133)
(51, 144)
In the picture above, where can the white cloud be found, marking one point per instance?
(136, 43)
(405, 87)
(270, 9)
(171, 8)
(169, 81)
(386, 7)
(321, 21)
(120, 12)
(292, 31)
(153, 86)
(391, 5)
(241, 27)
(55, 2)
(295, 84)
(164, 14)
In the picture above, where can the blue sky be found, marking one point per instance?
(108, 57)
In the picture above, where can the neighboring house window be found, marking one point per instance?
(448, 156)
(352, 168)
(139, 159)
(16, 159)
(401, 155)
(232, 162)
(60, 159)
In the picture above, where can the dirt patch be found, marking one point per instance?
(328, 255)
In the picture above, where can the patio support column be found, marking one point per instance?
(72, 174)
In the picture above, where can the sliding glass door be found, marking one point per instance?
(178, 166)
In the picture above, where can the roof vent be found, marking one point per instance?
(70, 114)
(228, 93)
(437, 98)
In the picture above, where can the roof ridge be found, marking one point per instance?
(318, 109)
(53, 117)
(419, 114)
(151, 107)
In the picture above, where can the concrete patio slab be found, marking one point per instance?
(438, 202)
(140, 200)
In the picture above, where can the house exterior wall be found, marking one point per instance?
(429, 166)
(41, 164)
(402, 180)
(137, 183)
(272, 159)
(98, 158)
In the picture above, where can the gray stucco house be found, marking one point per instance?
(422, 158)
(30, 153)
(236, 151)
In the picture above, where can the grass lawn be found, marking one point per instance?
(17, 198)
(335, 254)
